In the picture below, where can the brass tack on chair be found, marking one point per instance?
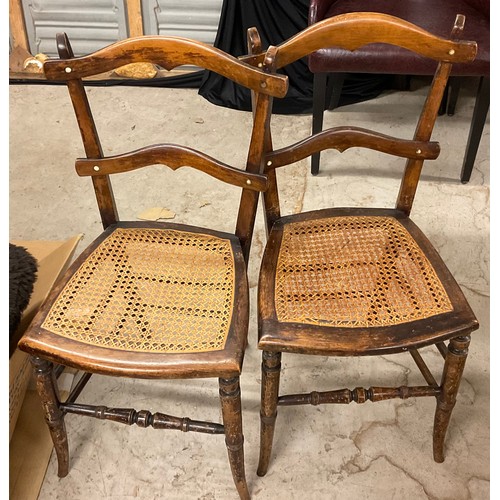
(249, 182)
(68, 69)
(96, 168)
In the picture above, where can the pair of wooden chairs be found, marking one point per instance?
(170, 301)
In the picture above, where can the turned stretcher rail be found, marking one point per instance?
(143, 418)
(359, 395)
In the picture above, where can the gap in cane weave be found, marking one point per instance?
(152, 290)
(355, 271)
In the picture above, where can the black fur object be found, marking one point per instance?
(22, 276)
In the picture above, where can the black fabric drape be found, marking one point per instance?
(276, 21)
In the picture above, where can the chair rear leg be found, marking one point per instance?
(319, 99)
(455, 82)
(452, 374)
(479, 115)
(271, 366)
(230, 396)
(334, 88)
(46, 385)
(444, 100)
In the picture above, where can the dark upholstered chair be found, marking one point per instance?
(329, 65)
(153, 300)
(361, 281)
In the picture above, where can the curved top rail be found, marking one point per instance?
(356, 29)
(168, 52)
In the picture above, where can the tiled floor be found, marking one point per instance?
(371, 451)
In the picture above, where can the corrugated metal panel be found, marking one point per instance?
(90, 25)
(196, 19)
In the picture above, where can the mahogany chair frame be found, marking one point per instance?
(48, 350)
(352, 31)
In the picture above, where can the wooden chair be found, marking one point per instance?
(153, 300)
(360, 281)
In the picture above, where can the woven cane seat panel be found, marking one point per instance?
(150, 290)
(355, 271)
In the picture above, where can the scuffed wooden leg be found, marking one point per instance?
(452, 373)
(46, 385)
(271, 366)
(229, 390)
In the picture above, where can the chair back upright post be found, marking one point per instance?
(91, 143)
(270, 195)
(425, 126)
(259, 145)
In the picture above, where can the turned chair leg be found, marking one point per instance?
(46, 385)
(452, 374)
(230, 396)
(271, 366)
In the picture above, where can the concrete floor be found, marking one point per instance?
(371, 451)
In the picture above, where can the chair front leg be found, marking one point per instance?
(271, 366)
(452, 374)
(230, 396)
(46, 386)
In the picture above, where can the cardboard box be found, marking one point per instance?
(30, 443)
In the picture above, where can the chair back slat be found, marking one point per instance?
(173, 156)
(343, 138)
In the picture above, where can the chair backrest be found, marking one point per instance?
(168, 52)
(350, 32)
